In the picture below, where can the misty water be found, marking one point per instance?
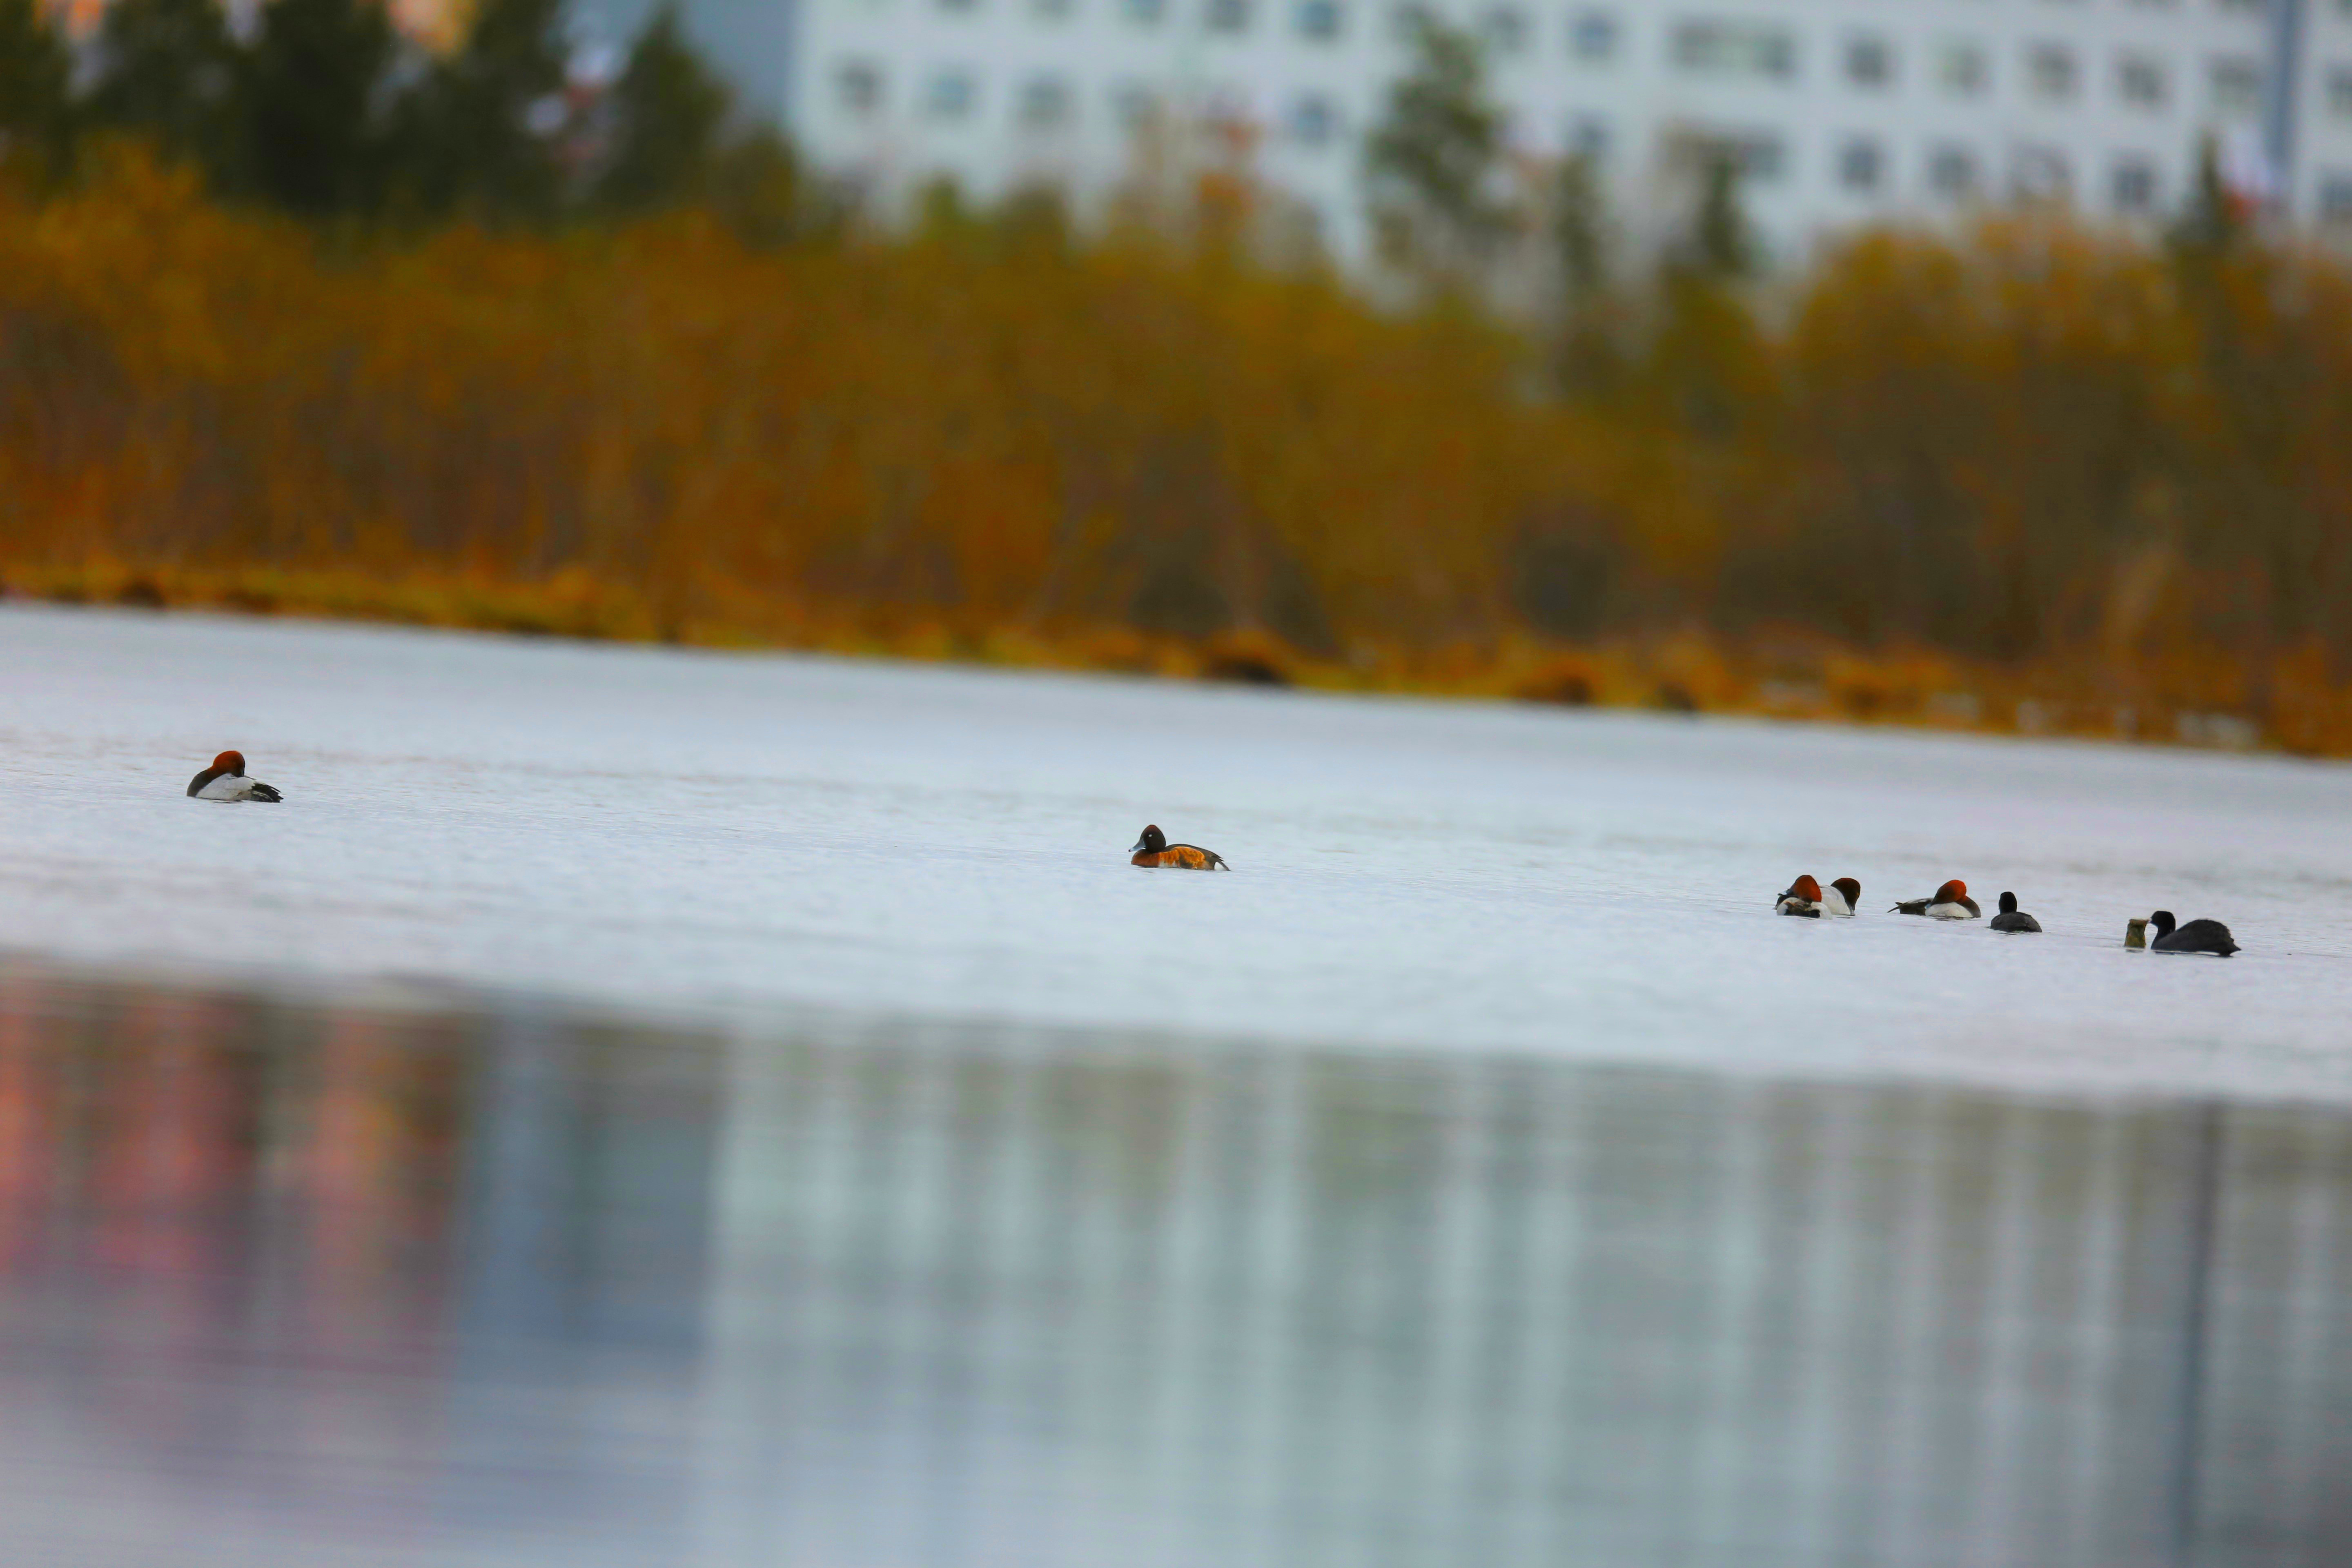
(644, 1106)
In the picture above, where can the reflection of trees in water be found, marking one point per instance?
(1243, 1306)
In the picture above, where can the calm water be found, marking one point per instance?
(723, 835)
(290, 1281)
(639, 1106)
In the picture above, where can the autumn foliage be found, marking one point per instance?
(2036, 475)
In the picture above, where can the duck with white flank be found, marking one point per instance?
(1808, 898)
(226, 780)
(1802, 898)
(1948, 903)
(2196, 936)
(2011, 918)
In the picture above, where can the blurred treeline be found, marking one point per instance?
(2032, 472)
(324, 110)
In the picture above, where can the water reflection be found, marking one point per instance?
(280, 1279)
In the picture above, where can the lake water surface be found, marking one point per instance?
(634, 1107)
(695, 831)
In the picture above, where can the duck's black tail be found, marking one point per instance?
(1217, 861)
(264, 792)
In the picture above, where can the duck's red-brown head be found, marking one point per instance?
(1952, 892)
(1852, 890)
(230, 762)
(1806, 889)
(1153, 842)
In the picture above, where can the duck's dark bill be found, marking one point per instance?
(293, 1282)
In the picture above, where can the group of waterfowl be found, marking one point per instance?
(1808, 899)
(226, 780)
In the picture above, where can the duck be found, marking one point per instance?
(1802, 898)
(1154, 850)
(2196, 936)
(1841, 896)
(226, 780)
(1948, 903)
(2011, 918)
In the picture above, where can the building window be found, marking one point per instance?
(1869, 62)
(1592, 36)
(949, 95)
(1736, 49)
(2237, 89)
(1861, 164)
(1045, 103)
(1317, 19)
(1588, 138)
(1963, 69)
(2340, 92)
(2141, 81)
(1756, 156)
(1145, 13)
(1952, 173)
(1229, 15)
(1313, 120)
(1504, 28)
(857, 88)
(2050, 72)
(2135, 185)
(1133, 105)
(2041, 175)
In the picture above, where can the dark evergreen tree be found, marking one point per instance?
(35, 111)
(167, 71)
(755, 188)
(1722, 246)
(313, 131)
(2215, 217)
(1587, 357)
(1433, 157)
(668, 110)
(1579, 229)
(479, 135)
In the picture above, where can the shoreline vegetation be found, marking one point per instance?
(639, 378)
(1787, 677)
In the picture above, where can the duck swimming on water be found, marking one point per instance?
(2196, 936)
(1154, 850)
(226, 780)
(1802, 898)
(2013, 918)
(1841, 896)
(1948, 903)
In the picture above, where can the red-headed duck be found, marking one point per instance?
(1802, 898)
(1948, 903)
(1154, 850)
(2196, 936)
(226, 780)
(2011, 918)
(1841, 896)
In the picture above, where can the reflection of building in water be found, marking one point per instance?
(896, 1297)
(29, 1113)
(1257, 1309)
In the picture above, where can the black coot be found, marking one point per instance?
(2196, 936)
(2009, 918)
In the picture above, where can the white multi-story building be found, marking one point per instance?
(1844, 111)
